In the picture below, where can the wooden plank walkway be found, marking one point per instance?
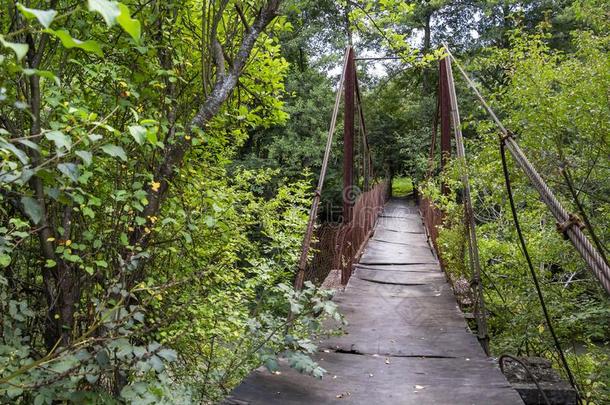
(407, 341)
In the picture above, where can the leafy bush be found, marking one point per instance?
(402, 186)
(139, 265)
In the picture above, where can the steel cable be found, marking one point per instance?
(530, 265)
(527, 370)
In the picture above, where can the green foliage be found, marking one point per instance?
(402, 186)
(399, 127)
(44, 17)
(20, 49)
(139, 265)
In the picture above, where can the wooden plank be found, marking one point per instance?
(420, 341)
(391, 255)
(374, 290)
(401, 224)
(408, 268)
(390, 315)
(399, 277)
(378, 380)
(399, 238)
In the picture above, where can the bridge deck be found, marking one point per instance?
(407, 341)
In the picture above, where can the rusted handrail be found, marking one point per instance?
(339, 246)
(433, 217)
(313, 212)
(360, 211)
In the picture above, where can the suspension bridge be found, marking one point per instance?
(406, 339)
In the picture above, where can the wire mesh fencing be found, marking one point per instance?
(433, 219)
(338, 246)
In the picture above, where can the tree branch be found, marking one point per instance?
(222, 89)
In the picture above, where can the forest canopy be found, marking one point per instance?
(158, 161)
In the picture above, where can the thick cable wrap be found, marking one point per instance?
(575, 234)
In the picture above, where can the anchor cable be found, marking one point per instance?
(532, 271)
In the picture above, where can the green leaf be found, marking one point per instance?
(23, 158)
(139, 133)
(20, 49)
(210, 221)
(108, 9)
(151, 136)
(101, 263)
(61, 140)
(29, 144)
(26, 175)
(88, 212)
(69, 170)
(308, 346)
(156, 363)
(168, 354)
(44, 17)
(32, 209)
(13, 392)
(68, 42)
(272, 365)
(130, 25)
(42, 73)
(87, 157)
(50, 263)
(40, 399)
(115, 151)
(5, 260)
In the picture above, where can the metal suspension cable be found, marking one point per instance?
(598, 243)
(530, 265)
(313, 212)
(473, 250)
(527, 370)
(565, 220)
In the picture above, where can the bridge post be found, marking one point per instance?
(348, 137)
(366, 153)
(445, 112)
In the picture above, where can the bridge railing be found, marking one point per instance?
(433, 219)
(338, 246)
(448, 112)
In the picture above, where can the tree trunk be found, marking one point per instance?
(174, 156)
